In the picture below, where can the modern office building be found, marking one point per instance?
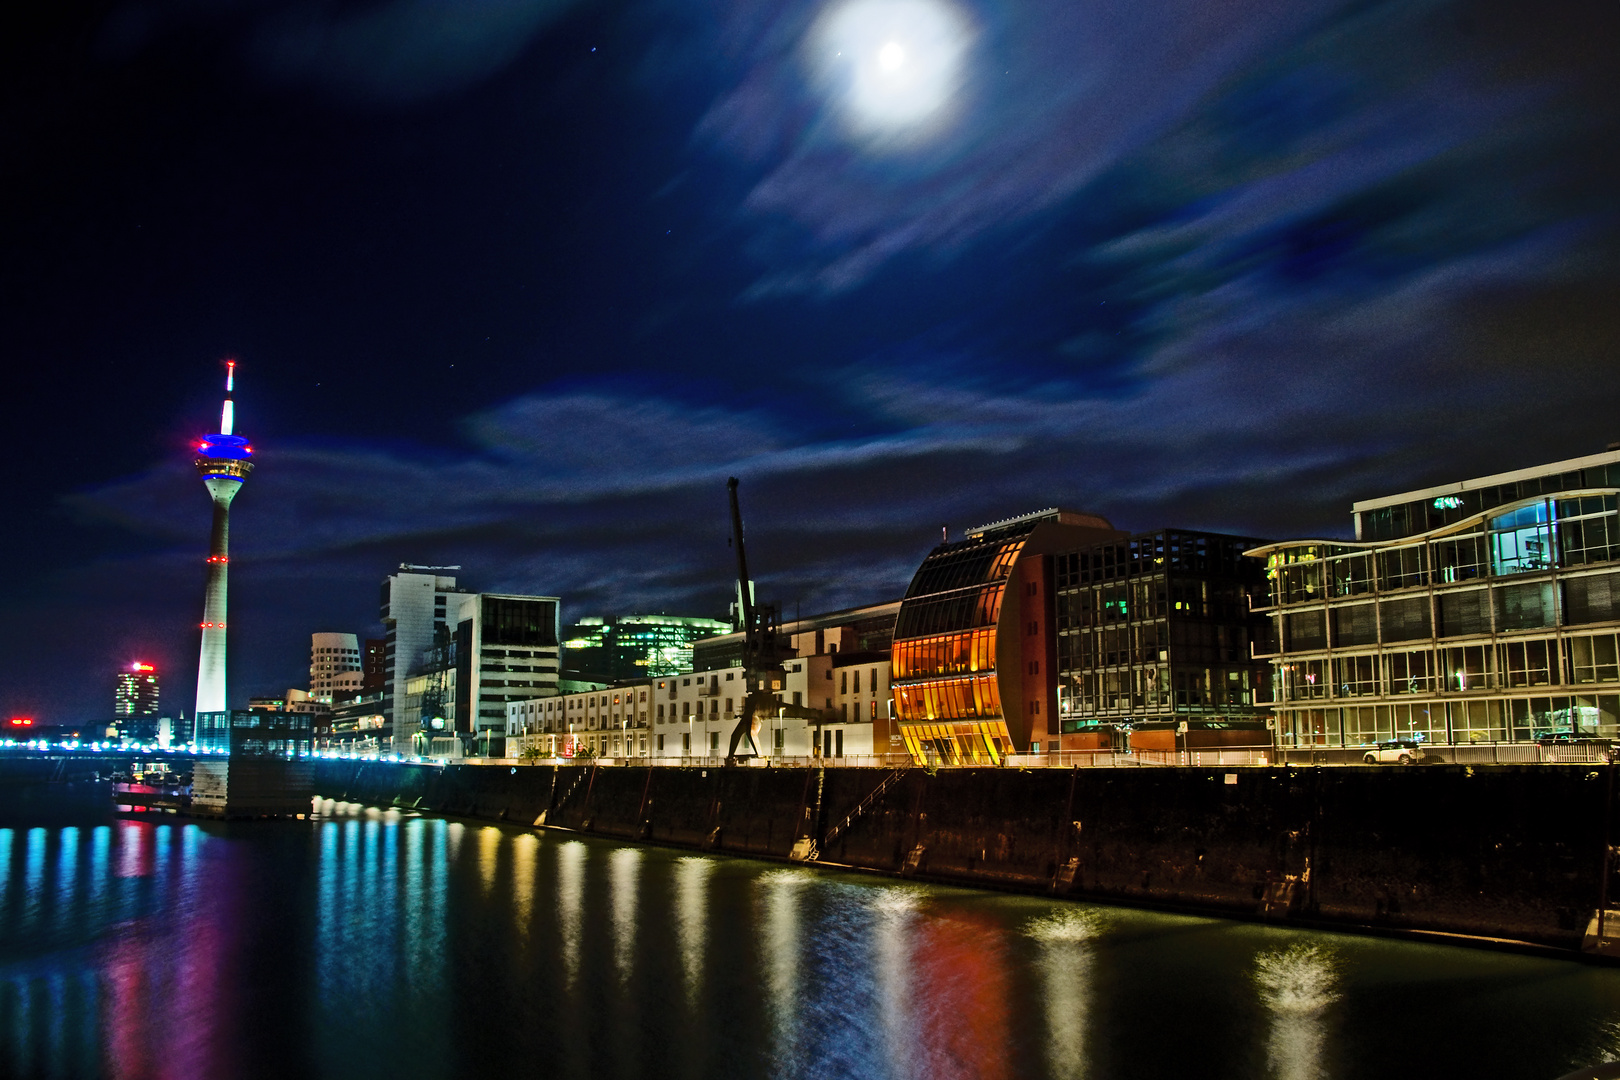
(224, 461)
(494, 649)
(137, 691)
(374, 666)
(616, 649)
(1481, 611)
(1153, 645)
(414, 607)
(334, 667)
(354, 725)
(975, 652)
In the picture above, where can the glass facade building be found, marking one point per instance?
(630, 647)
(1156, 629)
(974, 652)
(256, 733)
(1482, 611)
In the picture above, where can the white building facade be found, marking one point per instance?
(334, 667)
(689, 718)
(414, 607)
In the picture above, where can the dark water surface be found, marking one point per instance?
(365, 943)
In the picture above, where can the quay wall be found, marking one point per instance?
(1513, 852)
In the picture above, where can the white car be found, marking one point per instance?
(1395, 752)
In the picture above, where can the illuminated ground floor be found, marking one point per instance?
(1453, 719)
(982, 741)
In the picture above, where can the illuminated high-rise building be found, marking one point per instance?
(137, 692)
(334, 668)
(224, 461)
(634, 646)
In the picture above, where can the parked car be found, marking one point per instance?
(1395, 752)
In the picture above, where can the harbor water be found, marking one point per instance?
(364, 943)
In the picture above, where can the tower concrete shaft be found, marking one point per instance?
(224, 461)
(211, 695)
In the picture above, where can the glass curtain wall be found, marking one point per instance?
(946, 696)
(1463, 634)
(1155, 627)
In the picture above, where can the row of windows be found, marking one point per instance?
(966, 563)
(962, 610)
(1153, 598)
(1477, 721)
(949, 699)
(1423, 515)
(1454, 669)
(1149, 643)
(958, 743)
(946, 654)
(1196, 553)
(1148, 689)
(1572, 601)
(1559, 533)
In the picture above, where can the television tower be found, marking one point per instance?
(224, 461)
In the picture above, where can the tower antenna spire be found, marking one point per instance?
(227, 414)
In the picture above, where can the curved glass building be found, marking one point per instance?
(1484, 611)
(974, 643)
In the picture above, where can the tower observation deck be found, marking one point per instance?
(223, 461)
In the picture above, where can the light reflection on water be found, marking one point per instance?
(374, 943)
(780, 892)
(624, 866)
(894, 912)
(1065, 962)
(570, 905)
(1298, 986)
(525, 850)
(691, 919)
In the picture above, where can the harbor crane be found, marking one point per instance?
(763, 674)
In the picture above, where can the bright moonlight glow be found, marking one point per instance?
(892, 65)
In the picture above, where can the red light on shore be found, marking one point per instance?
(22, 721)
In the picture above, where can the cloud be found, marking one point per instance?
(1226, 121)
(1057, 93)
(399, 50)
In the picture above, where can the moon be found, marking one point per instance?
(891, 67)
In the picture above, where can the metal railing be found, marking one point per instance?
(1591, 752)
(1584, 752)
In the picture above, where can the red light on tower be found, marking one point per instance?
(22, 721)
(138, 666)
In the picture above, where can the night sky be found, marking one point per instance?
(516, 285)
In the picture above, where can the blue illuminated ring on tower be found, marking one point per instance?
(224, 455)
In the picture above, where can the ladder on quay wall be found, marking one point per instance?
(562, 802)
(807, 850)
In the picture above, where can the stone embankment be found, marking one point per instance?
(1498, 852)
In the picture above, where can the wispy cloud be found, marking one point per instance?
(399, 50)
